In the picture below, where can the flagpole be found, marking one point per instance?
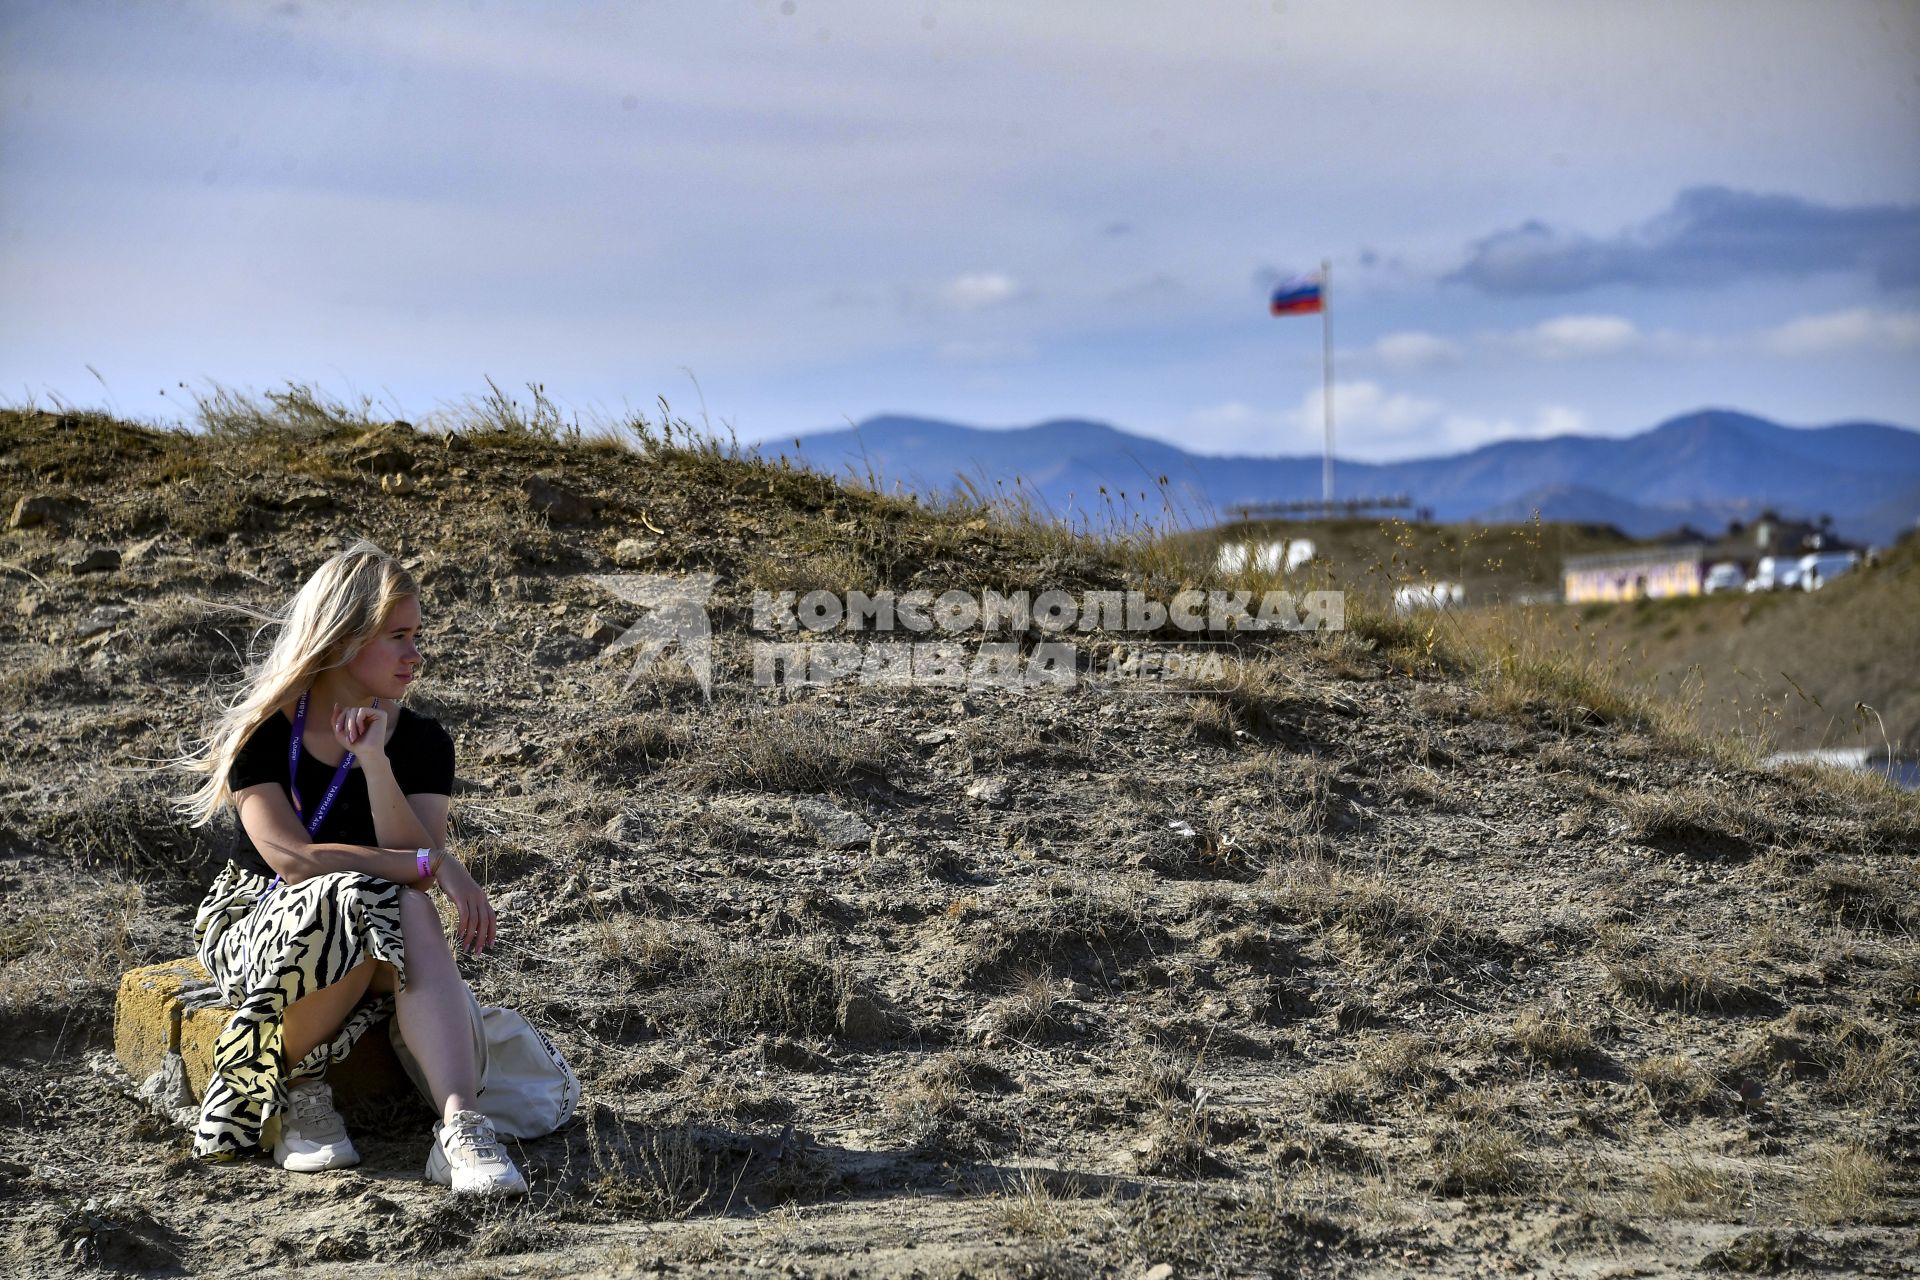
(1326, 370)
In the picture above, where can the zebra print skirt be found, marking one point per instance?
(265, 947)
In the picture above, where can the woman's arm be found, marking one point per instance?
(277, 833)
(395, 824)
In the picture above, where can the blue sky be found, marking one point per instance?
(1541, 217)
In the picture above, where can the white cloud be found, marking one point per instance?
(1237, 427)
(980, 290)
(1367, 412)
(1562, 338)
(1572, 337)
(987, 351)
(1371, 423)
(1412, 349)
(1858, 329)
(1368, 419)
(1468, 431)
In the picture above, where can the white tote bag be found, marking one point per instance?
(526, 1087)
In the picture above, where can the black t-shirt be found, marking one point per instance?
(420, 750)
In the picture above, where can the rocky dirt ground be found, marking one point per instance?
(1352, 964)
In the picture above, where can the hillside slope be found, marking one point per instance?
(1792, 664)
(1317, 969)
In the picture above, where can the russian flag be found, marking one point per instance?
(1297, 297)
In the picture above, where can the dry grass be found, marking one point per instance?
(792, 748)
(1029, 1013)
(1875, 1072)
(1551, 1036)
(1178, 1140)
(1204, 1231)
(1372, 921)
(1476, 1154)
(1692, 1187)
(1676, 1084)
(61, 961)
(1678, 975)
(1699, 820)
(1074, 928)
(1848, 1183)
(1863, 898)
(1029, 1208)
(669, 950)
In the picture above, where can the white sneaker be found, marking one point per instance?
(469, 1157)
(312, 1136)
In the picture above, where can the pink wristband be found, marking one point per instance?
(424, 862)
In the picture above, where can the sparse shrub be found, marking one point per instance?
(1154, 1075)
(1256, 695)
(930, 1104)
(1078, 928)
(1402, 1059)
(1476, 1153)
(1341, 1091)
(638, 1171)
(1544, 1036)
(791, 990)
(629, 747)
(992, 746)
(1848, 1182)
(1693, 1187)
(791, 748)
(1029, 1013)
(1028, 1208)
(712, 1092)
(1420, 788)
(1201, 1231)
(1178, 1139)
(1865, 900)
(1698, 821)
(1759, 1253)
(1676, 1083)
(1685, 976)
(1378, 922)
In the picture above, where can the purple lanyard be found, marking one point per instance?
(293, 778)
(293, 769)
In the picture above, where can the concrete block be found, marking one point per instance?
(174, 1007)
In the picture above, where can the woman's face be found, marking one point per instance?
(387, 664)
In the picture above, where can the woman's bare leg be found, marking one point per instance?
(433, 1011)
(315, 1017)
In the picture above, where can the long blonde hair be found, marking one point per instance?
(334, 615)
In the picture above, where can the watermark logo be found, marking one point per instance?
(674, 617)
(1053, 639)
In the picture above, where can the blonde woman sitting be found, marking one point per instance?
(321, 924)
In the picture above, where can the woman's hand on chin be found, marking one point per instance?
(475, 931)
(361, 730)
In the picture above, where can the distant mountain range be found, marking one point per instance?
(1701, 469)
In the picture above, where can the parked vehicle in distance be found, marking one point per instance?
(1818, 568)
(1774, 573)
(1725, 576)
(1427, 595)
